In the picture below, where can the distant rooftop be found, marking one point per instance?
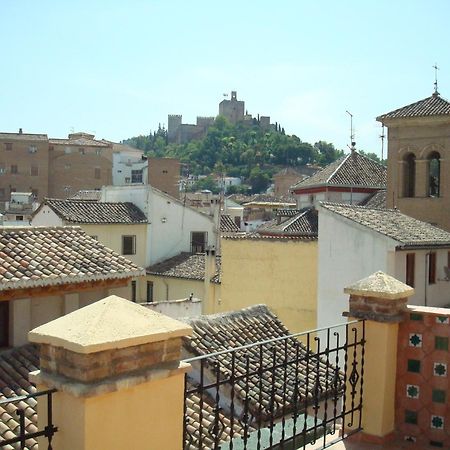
(227, 224)
(408, 232)
(434, 105)
(87, 194)
(81, 139)
(304, 223)
(185, 265)
(351, 170)
(94, 212)
(23, 136)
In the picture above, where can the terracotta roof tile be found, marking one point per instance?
(392, 223)
(350, 170)
(82, 211)
(44, 256)
(430, 106)
(227, 224)
(304, 223)
(15, 364)
(376, 200)
(185, 265)
(214, 334)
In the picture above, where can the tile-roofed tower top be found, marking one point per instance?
(431, 106)
(351, 170)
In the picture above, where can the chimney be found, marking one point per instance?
(20, 130)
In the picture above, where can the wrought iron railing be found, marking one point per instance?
(279, 393)
(24, 438)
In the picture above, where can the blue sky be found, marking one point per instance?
(117, 68)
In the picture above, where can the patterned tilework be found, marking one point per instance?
(423, 384)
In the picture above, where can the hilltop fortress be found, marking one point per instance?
(233, 109)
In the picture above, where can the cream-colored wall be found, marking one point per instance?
(169, 288)
(279, 273)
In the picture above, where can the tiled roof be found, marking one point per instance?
(288, 171)
(219, 332)
(227, 224)
(15, 364)
(350, 170)
(430, 106)
(82, 211)
(376, 200)
(392, 223)
(208, 420)
(46, 256)
(304, 223)
(80, 141)
(255, 236)
(185, 265)
(87, 194)
(287, 212)
(23, 137)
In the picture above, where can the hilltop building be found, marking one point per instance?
(418, 159)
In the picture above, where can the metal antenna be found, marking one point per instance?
(436, 68)
(382, 137)
(352, 134)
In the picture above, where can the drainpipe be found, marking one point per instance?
(210, 269)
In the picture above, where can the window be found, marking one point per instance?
(8, 146)
(127, 179)
(434, 174)
(237, 221)
(14, 168)
(35, 193)
(81, 151)
(409, 176)
(431, 268)
(136, 176)
(198, 241)
(133, 291)
(149, 291)
(67, 150)
(34, 171)
(98, 152)
(410, 268)
(97, 173)
(128, 245)
(19, 217)
(164, 171)
(67, 166)
(2, 168)
(32, 149)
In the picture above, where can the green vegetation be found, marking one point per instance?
(249, 152)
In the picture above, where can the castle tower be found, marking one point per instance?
(173, 125)
(232, 109)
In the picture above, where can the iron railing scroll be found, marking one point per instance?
(282, 393)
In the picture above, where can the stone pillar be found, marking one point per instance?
(381, 300)
(116, 366)
(20, 311)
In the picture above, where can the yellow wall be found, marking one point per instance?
(148, 416)
(279, 273)
(111, 237)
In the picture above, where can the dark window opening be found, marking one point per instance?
(8, 146)
(409, 176)
(432, 268)
(4, 324)
(410, 268)
(97, 173)
(133, 291)
(136, 176)
(434, 175)
(14, 168)
(198, 241)
(149, 291)
(128, 245)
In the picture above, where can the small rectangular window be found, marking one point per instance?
(19, 217)
(128, 245)
(14, 168)
(34, 171)
(198, 241)
(136, 176)
(8, 146)
(67, 150)
(149, 291)
(410, 268)
(133, 291)
(97, 173)
(432, 268)
(81, 150)
(32, 149)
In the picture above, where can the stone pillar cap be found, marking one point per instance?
(110, 323)
(380, 285)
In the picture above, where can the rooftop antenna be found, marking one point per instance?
(382, 137)
(352, 134)
(436, 68)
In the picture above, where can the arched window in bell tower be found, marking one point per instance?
(434, 174)
(409, 175)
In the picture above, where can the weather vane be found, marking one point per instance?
(436, 68)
